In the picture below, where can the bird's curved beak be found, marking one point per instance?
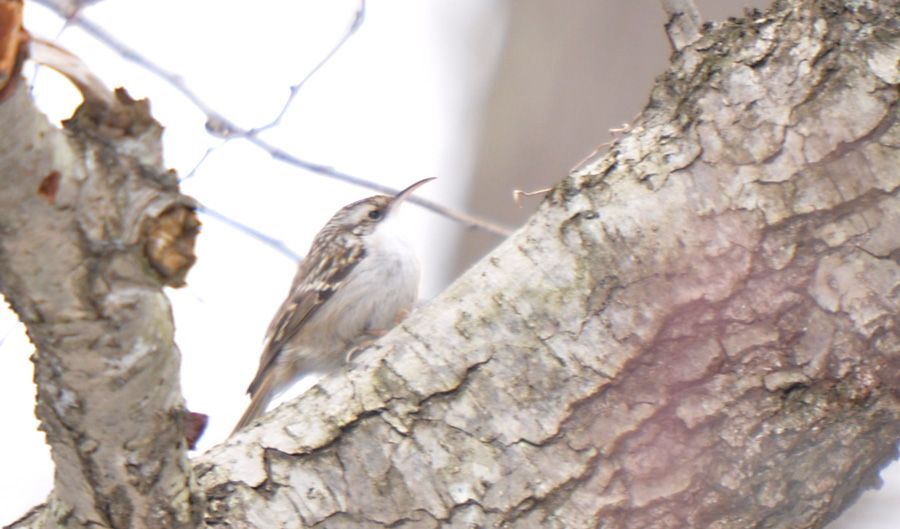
(400, 197)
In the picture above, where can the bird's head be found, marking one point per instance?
(364, 216)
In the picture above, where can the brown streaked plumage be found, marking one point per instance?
(356, 281)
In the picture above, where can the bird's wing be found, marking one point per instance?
(317, 280)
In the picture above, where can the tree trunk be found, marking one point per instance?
(91, 227)
(698, 329)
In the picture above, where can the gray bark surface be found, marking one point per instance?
(698, 329)
(91, 227)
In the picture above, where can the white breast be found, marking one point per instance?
(381, 287)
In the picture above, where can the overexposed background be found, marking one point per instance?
(424, 88)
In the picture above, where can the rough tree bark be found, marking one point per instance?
(91, 228)
(698, 329)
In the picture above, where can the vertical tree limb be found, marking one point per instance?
(91, 227)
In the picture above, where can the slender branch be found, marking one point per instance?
(470, 221)
(128, 53)
(221, 126)
(197, 165)
(354, 25)
(518, 194)
(265, 239)
(683, 24)
(9, 331)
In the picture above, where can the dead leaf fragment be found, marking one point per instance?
(194, 426)
(169, 244)
(49, 186)
(13, 48)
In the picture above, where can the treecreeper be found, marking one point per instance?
(359, 279)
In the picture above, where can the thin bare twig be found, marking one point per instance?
(96, 31)
(616, 133)
(219, 125)
(354, 25)
(7, 333)
(48, 54)
(590, 157)
(198, 164)
(518, 194)
(262, 237)
(683, 23)
(463, 218)
(54, 40)
(624, 128)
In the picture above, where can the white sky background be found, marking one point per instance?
(392, 106)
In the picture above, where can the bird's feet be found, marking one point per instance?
(370, 336)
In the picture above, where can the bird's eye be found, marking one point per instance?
(375, 214)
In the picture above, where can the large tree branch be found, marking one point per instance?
(91, 227)
(698, 330)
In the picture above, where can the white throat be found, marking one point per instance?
(389, 242)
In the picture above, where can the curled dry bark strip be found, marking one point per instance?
(13, 45)
(91, 227)
(699, 330)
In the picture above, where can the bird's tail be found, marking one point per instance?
(258, 403)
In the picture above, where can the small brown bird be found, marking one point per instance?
(357, 281)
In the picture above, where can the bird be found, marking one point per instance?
(358, 280)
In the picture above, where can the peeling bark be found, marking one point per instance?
(698, 330)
